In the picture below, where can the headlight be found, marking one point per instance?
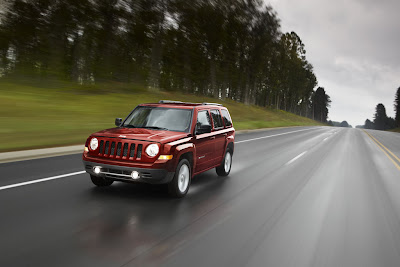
(152, 150)
(94, 143)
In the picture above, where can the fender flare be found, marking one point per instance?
(230, 143)
(183, 149)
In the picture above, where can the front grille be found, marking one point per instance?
(132, 153)
(107, 146)
(124, 150)
(112, 149)
(101, 147)
(139, 151)
(119, 149)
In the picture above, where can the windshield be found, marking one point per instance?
(170, 119)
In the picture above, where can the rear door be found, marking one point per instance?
(220, 136)
(205, 143)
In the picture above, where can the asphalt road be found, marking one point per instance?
(310, 196)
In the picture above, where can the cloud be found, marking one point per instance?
(354, 46)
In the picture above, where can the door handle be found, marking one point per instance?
(212, 137)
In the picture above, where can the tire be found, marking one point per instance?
(179, 186)
(100, 181)
(225, 168)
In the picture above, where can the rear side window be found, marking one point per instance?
(216, 116)
(227, 118)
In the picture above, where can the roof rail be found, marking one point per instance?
(212, 104)
(170, 102)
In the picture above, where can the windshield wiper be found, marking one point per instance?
(154, 127)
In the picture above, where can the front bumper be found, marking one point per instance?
(122, 173)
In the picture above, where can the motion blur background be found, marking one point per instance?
(68, 68)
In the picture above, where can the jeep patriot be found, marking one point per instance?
(162, 143)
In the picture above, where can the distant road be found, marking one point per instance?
(304, 196)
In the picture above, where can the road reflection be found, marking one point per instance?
(127, 220)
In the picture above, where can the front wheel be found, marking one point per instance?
(179, 186)
(100, 181)
(225, 168)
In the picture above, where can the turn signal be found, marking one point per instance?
(165, 157)
(86, 149)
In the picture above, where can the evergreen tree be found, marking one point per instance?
(380, 117)
(397, 107)
(219, 48)
(369, 124)
(321, 102)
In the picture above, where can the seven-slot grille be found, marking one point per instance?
(120, 149)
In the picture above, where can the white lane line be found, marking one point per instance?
(41, 180)
(268, 136)
(325, 139)
(296, 158)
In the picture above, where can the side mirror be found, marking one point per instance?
(118, 122)
(203, 129)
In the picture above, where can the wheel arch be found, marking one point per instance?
(186, 151)
(230, 146)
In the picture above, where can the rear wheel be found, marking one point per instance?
(179, 186)
(100, 181)
(225, 168)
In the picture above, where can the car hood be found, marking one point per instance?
(142, 134)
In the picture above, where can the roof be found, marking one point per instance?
(179, 104)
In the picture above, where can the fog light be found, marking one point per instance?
(135, 175)
(96, 170)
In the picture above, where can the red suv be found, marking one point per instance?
(164, 143)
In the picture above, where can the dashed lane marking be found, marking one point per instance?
(268, 136)
(41, 180)
(296, 158)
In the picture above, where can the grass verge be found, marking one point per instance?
(37, 117)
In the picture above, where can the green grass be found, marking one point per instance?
(397, 130)
(38, 117)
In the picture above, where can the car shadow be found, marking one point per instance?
(204, 182)
(123, 218)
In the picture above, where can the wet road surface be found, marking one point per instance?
(304, 196)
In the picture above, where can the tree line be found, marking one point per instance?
(381, 121)
(344, 124)
(222, 48)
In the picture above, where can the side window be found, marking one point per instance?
(216, 118)
(203, 118)
(227, 118)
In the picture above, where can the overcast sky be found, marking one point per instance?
(354, 46)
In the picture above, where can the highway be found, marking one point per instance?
(301, 196)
